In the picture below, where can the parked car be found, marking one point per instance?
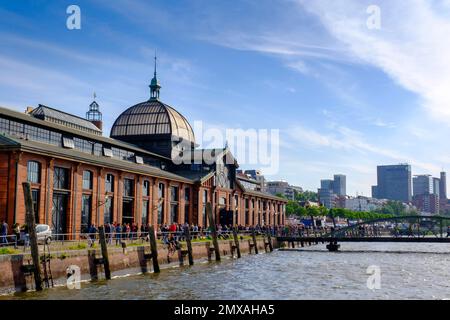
(44, 233)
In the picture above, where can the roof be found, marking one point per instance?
(58, 127)
(53, 115)
(152, 117)
(9, 142)
(258, 193)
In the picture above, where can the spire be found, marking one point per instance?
(154, 85)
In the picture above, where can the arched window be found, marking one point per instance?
(34, 172)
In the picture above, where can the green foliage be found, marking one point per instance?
(307, 196)
(8, 251)
(79, 246)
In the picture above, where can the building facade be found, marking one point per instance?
(284, 188)
(394, 182)
(423, 184)
(148, 172)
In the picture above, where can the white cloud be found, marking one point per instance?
(412, 46)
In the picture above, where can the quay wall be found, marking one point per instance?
(122, 261)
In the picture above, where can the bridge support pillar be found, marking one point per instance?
(333, 246)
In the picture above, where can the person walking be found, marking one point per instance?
(3, 233)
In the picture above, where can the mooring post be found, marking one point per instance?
(187, 234)
(212, 225)
(254, 240)
(236, 242)
(269, 238)
(30, 220)
(442, 229)
(101, 231)
(153, 247)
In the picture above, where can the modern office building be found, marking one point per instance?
(340, 185)
(443, 191)
(394, 182)
(423, 184)
(327, 198)
(80, 177)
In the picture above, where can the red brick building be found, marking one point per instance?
(148, 171)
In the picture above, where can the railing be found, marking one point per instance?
(74, 241)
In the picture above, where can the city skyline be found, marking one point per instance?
(314, 68)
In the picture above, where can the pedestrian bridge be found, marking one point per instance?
(429, 229)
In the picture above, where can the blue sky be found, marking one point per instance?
(344, 97)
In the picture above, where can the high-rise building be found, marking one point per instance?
(327, 198)
(394, 182)
(428, 203)
(340, 185)
(443, 187)
(327, 184)
(375, 192)
(423, 184)
(436, 186)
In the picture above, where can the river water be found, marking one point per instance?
(314, 273)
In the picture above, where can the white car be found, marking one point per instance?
(44, 233)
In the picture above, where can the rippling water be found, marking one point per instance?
(311, 274)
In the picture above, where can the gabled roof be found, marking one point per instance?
(61, 117)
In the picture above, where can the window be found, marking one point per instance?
(174, 194)
(174, 213)
(35, 197)
(160, 213)
(87, 180)
(61, 178)
(144, 216)
(139, 160)
(109, 183)
(187, 194)
(128, 187)
(161, 190)
(86, 205)
(222, 201)
(186, 214)
(146, 188)
(107, 152)
(68, 143)
(108, 215)
(34, 172)
(205, 196)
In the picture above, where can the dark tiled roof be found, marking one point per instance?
(8, 142)
(52, 115)
(115, 143)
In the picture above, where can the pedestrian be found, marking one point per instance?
(118, 233)
(3, 233)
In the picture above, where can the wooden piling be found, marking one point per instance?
(187, 234)
(30, 220)
(269, 238)
(212, 225)
(153, 247)
(254, 241)
(101, 231)
(236, 242)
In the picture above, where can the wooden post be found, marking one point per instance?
(187, 234)
(101, 231)
(236, 242)
(30, 220)
(269, 238)
(254, 240)
(212, 225)
(151, 233)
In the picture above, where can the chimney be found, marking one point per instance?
(29, 110)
